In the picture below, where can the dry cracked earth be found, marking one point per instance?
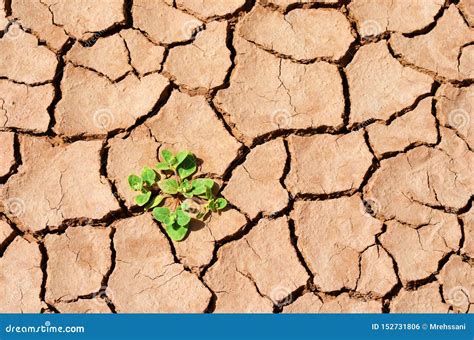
(341, 133)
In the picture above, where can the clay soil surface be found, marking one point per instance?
(340, 132)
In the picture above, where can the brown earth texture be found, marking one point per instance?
(340, 132)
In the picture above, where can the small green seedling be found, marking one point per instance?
(185, 198)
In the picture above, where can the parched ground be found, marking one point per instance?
(341, 134)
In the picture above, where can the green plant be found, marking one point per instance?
(182, 198)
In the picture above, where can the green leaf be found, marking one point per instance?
(167, 156)
(155, 202)
(187, 166)
(162, 166)
(176, 232)
(199, 190)
(135, 182)
(169, 186)
(162, 214)
(221, 203)
(206, 182)
(182, 219)
(148, 176)
(186, 185)
(142, 199)
(172, 217)
(209, 195)
(180, 157)
(200, 185)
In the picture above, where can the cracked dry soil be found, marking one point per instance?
(341, 133)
